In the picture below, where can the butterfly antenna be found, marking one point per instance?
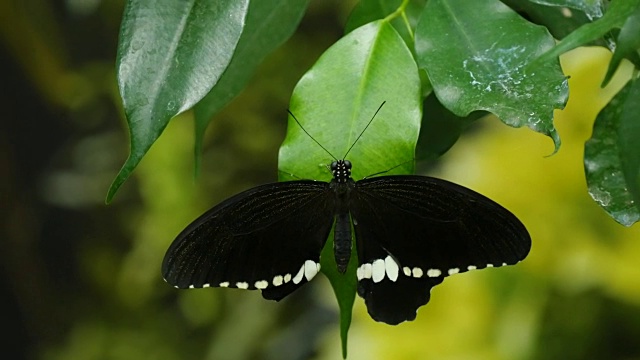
(365, 129)
(289, 174)
(312, 138)
(386, 171)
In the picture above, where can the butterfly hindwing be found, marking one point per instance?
(424, 229)
(268, 238)
(395, 302)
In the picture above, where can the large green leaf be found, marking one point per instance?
(612, 156)
(268, 25)
(170, 55)
(339, 95)
(476, 59)
(334, 101)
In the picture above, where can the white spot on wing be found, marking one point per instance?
(310, 269)
(224, 284)
(471, 267)
(489, 265)
(366, 271)
(391, 268)
(377, 270)
(406, 271)
(417, 272)
(242, 285)
(277, 280)
(206, 285)
(454, 271)
(299, 275)
(262, 284)
(287, 278)
(434, 273)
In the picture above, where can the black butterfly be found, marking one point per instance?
(411, 232)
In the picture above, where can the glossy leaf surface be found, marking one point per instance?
(612, 157)
(476, 60)
(170, 55)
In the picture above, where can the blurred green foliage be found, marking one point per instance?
(81, 280)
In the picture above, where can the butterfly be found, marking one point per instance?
(410, 232)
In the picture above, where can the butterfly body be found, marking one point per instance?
(342, 185)
(411, 232)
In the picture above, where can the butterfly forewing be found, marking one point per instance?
(412, 231)
(268, 238)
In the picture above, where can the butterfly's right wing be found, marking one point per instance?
(268, 238)
(413, 231)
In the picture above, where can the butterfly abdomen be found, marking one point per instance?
(342, 241)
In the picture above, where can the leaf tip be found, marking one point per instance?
(122, 176)
(553, 134)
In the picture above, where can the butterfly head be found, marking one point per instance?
(341, 170)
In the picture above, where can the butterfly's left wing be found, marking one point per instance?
(413, 231)
(267, 238)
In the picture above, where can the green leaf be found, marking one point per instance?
(334, 102)
(612, 156)
(628, 44)
(592, 8)
(268, 25)
(476, 59)
(170, 55)
(615, 17)
(370, 10)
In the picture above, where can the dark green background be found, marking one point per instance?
(80, 280)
